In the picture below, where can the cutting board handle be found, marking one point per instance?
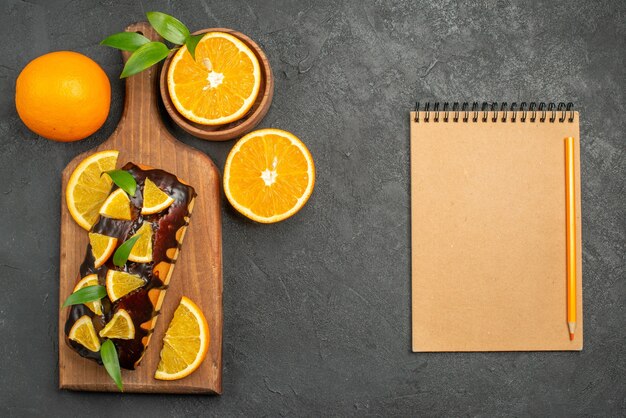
(141, 100)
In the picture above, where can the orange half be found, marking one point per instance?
(269, 175)
(220, 85)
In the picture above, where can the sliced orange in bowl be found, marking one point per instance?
(220, 85)
(102, 247)
(87, 188)
(185, 344)
(90, 280)
(269, 175)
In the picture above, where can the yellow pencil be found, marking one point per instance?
(571, 235)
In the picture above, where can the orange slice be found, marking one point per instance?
(269, 175)
(142, 250)
(220, 85)
(185, 344)
(90, 280)
(84, 333)
(120, 283)
(120, 326)
(102, 247)
(154, 199)
(87, 188)
(117, 206)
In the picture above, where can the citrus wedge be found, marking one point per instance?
(90, 280)
(117, 206)
(154, 199)
(269, 175)
(119, 284)
(87, 188)
(142, 250)
(102, 247)
(220, 85)
(120, 326)
(84, 333)
(185, 344)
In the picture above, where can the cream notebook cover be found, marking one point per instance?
(488, 229)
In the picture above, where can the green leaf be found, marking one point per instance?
(121, 254)
(192, 42)
(126, 41)
(144, 57)
(86, 294)
(168, 27)
(111, 362)
(124, 180)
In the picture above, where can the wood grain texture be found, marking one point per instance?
(230, 130)
(142, 138)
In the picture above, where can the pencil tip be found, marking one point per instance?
(571, 336)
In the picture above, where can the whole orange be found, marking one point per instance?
(64, 96)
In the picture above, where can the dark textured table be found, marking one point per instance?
(317, 308)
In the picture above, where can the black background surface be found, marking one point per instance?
(317, 308)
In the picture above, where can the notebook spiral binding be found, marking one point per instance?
(461, 111)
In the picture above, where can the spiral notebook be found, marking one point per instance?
(489, 227)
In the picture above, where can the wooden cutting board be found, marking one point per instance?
(142, 138)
